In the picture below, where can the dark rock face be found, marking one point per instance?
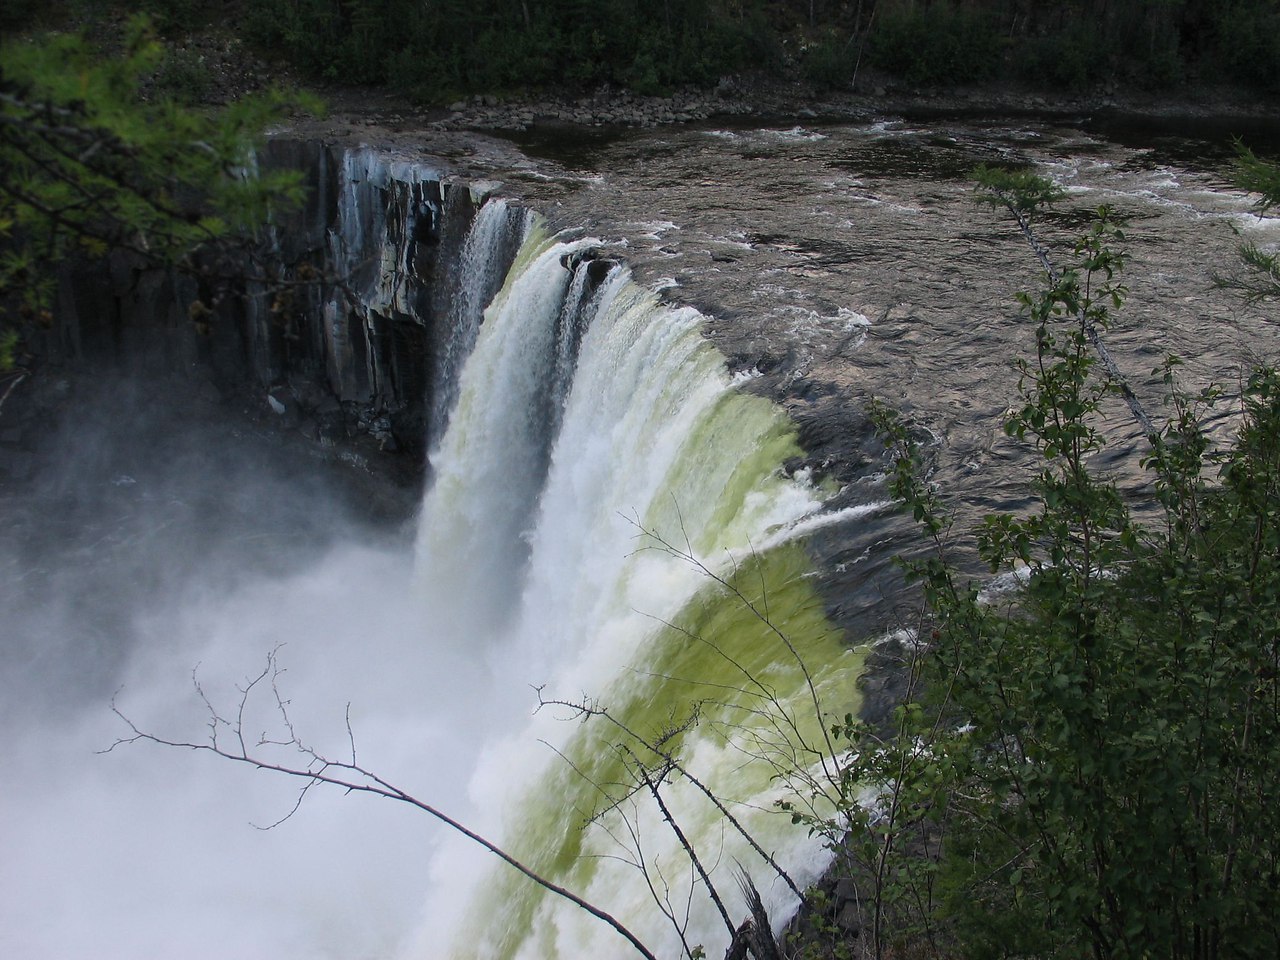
(327, 331)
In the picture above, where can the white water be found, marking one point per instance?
(480, 269)
(490, 466)
(525, 572)
(656, 434)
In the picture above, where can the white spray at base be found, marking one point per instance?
(625, 415)
(545, 568)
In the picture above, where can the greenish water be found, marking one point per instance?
(727, 687)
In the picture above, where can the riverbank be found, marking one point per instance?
(772, 100)
(215, 68)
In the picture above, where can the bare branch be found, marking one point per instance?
(585, 710)
(350, 777)
(653, 784)
(750, 606)
(351, 737)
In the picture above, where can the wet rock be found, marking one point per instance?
(17, 465)
(849, 918)
(207, 391)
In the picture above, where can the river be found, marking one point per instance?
(828, 263)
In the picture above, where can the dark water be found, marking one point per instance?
(1204, 143)
(794, 233)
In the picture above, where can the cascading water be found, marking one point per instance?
(576, 416)
(482, 267)
(491, 464)
(540, 548)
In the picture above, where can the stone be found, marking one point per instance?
(207, 391)
(847, 889)
(849, 919)
(16, 464)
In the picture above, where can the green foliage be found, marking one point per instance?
(1258, 176)
(16, 14)
(1262, 274)
(1099, 745)
(90, 167)
(183, 78)
(1260, 277)
(1248, 43)
(937, 44)
(1070, 59)
(438, 50)
(8, 349)
(831, 60)
(1021, 191)
(173, 16)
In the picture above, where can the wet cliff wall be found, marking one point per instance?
(347, 339)
(330, 329)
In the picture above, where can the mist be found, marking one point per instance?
(166, 546)
(156, 537)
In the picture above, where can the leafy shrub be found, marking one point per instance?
(940, 44)
(1100, 746)
(172, 16)
(829, 62)
(1070, 59)
(306, 31)
(20, 14)
(452, 47)
(183, 77)
(1248, 48)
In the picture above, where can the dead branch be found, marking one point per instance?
(584, 709)
(349, 776)
(653, 784)
(639, 861)
(686, 554)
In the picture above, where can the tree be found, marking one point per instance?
(1097, 743)
(1261, 277)
(91, 167)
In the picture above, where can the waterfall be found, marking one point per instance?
(576, 423)
(491, 464)
(481, 272)
(591, 427)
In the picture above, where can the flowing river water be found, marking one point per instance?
(757, 285)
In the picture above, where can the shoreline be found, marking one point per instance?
(774, 101)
